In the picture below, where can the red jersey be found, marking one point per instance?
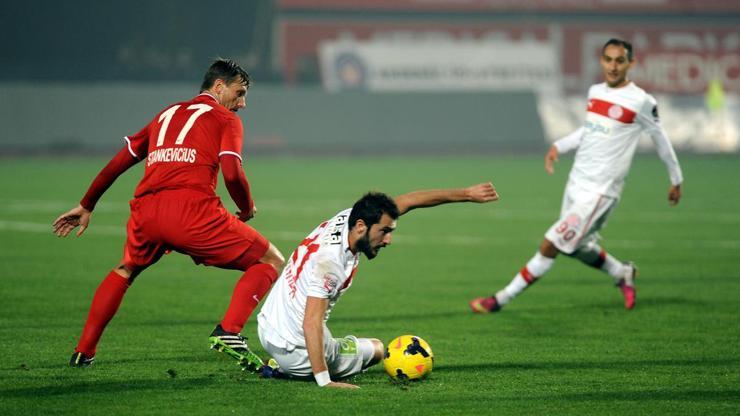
(182, 145)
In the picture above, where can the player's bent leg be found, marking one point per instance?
(535, 268)
(624, 274)
(345, 357)
(591, 254)
(105, 304)
(548, 249)
(273, 257)
(251, 288)
(351, 355)
(261, 263)
(292, 363)
(226, 337)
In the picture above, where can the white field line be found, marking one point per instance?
(39, 228)
(327, 208)
(453, 240)
(43, 207)
(109, 230)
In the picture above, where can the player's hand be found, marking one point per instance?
(483, 192)
(338, 385)
(550, 158)
(246, 216)
(674, 194)
(77, 216)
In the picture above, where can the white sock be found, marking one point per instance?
(539, 265)
(515, 287)
(535, 268)
(614, 267)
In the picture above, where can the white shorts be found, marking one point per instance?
(582, 215)
(345, 357)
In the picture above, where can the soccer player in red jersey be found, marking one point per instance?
(175, 207)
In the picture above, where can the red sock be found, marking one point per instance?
(249, 290)
(104, 306)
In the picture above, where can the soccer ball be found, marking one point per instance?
(408, 357)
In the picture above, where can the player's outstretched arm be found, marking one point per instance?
(80, 215)
(313, 330)
(65, 223)
(480, 193)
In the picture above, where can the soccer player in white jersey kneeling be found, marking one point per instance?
(618, 113)
(292, 323)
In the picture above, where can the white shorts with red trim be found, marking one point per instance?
(582, 215)
(345, 357)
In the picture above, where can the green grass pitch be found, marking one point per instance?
(566, 346)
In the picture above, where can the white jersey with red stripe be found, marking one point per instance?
(615, 120)
(322, 266)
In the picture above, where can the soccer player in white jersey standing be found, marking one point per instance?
(618, 113)
(292, 322)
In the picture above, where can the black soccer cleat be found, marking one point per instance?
(235, 346)
(80, 360)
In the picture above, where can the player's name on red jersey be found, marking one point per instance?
(183, 143)
(172, 154)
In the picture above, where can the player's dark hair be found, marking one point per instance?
(226, 70)
(619, 42)
(371, 207)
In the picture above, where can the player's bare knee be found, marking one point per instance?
(274, 258)
(276, 264)
(548, 249)
(127, 272)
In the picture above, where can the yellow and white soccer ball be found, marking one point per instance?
(408, 357)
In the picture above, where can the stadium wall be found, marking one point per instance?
(93, 118)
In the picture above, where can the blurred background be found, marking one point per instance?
(364, 76)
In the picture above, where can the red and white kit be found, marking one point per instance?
(175, 206)
(322, 266)
(615, 120)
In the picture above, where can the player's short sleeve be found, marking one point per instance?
(138, 144)
(327, 278)
(231, 137)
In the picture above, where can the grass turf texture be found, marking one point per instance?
(565, 346)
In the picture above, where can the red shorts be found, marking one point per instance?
(193, 223)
